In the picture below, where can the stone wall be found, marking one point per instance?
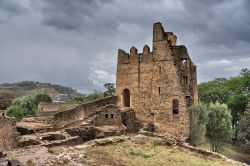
(155, 79)
(81, 112)
(108, 115)
(8, 133)
(47, 107)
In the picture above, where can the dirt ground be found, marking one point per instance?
(133, 151)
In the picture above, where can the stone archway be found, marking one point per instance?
(126, 98)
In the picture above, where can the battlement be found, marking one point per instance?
(134, 56)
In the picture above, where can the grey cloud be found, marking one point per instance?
(10, 8)
(75, 42)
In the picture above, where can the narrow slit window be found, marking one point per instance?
(112, 116)
(106, 116)
(159, 90)
(175, 106)
(185, 80)
(159, 69)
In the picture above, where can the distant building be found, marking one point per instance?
(61, 98)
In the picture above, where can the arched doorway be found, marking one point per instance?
(126, 98)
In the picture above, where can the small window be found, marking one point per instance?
(159, 69)
(2, 114)
(106, 116)
(175, 106)
(188, 101)
(112, 116)
(159, 90)
(184, 64)
(185, 80)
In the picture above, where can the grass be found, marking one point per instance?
(231, 151)
(56, 150)
(150, 153)
(30, 163)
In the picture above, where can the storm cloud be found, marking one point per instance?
(75, 42)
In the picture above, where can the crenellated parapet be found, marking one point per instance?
(134, 57)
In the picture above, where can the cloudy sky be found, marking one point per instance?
(75, 42)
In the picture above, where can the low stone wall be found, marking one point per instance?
(81, 112)
(64, 118)
(8, 133)
(91, 107)
(108, 115)
(47, 107)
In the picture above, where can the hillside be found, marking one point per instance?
(31, 88)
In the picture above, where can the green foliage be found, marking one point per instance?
(141, 154)
(22, 107)
(110, 89)
(198, 122)
(93, 96)
(219, 126)
(237, 105)
(42, 97)
(233, 91)
(243, 128)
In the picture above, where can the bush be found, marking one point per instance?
(198, 124)
(219, 126)
(42, 97)
(22, 107)
(243, 128)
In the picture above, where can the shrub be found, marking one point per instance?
(198, 124)
(219, 126)
(22, 107)
(243, 128)
(42, 97)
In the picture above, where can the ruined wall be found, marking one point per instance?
(108, 115)
(81, 112)
(47, 107)
(8, 133)
(154, 79)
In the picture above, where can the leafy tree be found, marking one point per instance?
(219, 126)
(42, 97)
(243, 128)
(6, 98)
(237, 104)
(110, 89)
(233, 91)
(198, 124)
(22, 107)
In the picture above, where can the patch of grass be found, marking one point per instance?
(230, 151)
(82, 160)
(56, 150)
(150, 153)
(30, 163)
(66, 161)
(158, 143)
(140, 154)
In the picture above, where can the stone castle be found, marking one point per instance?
(160, 85)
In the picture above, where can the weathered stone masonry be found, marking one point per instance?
(161, 84)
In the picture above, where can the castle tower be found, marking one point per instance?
(161, 84)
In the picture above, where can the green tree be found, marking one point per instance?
(237, 104)
(42, 97)
(198, 124)
(243, 128)
(219, 126)
(110, 89)
(22, 107)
